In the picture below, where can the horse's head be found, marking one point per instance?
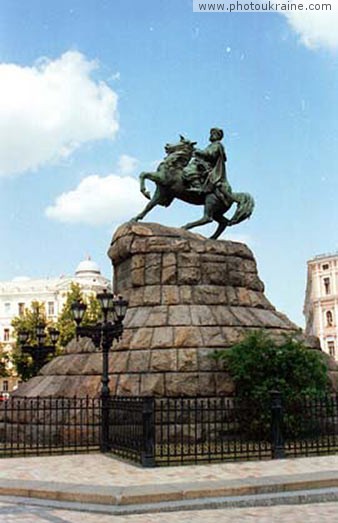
(184, 146)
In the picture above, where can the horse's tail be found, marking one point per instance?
(245, 207)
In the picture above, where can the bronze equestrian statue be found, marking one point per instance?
(197, 176)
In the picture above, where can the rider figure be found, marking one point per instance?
(214, 158)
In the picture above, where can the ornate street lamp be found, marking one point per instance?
(103, 334)
(40, 352)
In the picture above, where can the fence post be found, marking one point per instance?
(148, 422)
(277, 439)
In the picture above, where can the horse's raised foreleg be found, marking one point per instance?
(154, 177)
(156, 200)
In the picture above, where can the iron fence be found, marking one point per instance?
(35, 426)
(171, 431)
(310, 427)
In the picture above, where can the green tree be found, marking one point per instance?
(4, 361)
(28, 321)
(259, 365)
(65, 322)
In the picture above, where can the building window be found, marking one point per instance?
(329, 319)
(5, 386)
(21, 309)
(51, 308)
(331, 348)
(7, 307)
(6, 334)
(327, 285)
(325, 267)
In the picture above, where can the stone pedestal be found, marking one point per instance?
(188, 296)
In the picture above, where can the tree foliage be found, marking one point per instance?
(28, 321)
(4, 361)
(258, 365)
(36, 314)
(65, 322)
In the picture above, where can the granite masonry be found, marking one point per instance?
(188, 296)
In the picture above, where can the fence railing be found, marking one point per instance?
(34, 426)
(165, 431)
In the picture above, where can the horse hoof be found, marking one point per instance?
(147, 194)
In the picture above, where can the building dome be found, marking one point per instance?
(87, 267)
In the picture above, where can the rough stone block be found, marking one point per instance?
(138, 261)
(117, 361)
(163, 337)
(185, 294)
(170, 295)
(153, 268)
(233, 335)
(179, 315)
(236, 278)
(214, 274)
(158, 316)
(188, 260)
(252, 281)
(183, 383)
(205, 360)
(128, 385)
(225, 316)
(246, 316)
(209, 294)
(138, 277)
(152, 295)
(187, 337)
(189, 276)
(207, 384)
(137, 317)
(138, 361)
(244, 297)
(152, 384)
(213, 336)
(163, 360)
(136, 298)
(202, 315)
(169, 275)
(169, 259)
(141, 338)
(187, 360)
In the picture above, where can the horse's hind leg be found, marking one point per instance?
(222, 225)
(203, 221)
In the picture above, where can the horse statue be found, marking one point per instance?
(189, 179)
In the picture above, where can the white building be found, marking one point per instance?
(321, 301)
(19, 293)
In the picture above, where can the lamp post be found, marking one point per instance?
(40, 352)
(103, 334)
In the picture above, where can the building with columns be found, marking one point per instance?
(19, 293)
(321, 301)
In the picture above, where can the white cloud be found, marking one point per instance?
(99, 200)
(315, 28)
(127, 164)
(50, 109)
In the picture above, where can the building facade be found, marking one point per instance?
(18, 294)
(321, 301)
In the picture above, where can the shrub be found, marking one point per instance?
(259, 365)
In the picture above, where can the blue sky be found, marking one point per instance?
(90, 91)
